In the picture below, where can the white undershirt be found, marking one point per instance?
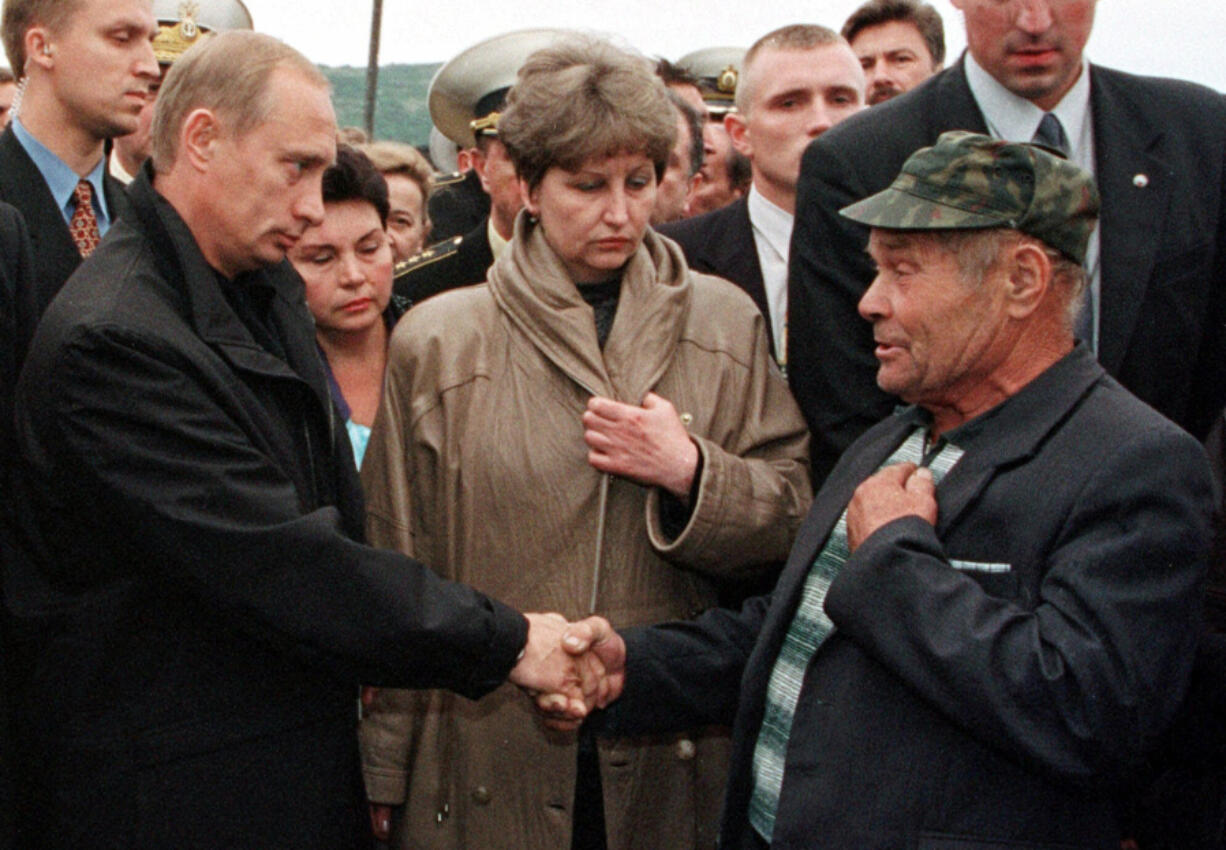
(772, 234)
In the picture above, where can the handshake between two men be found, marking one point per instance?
(570, 669)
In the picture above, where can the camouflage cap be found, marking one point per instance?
(970, 182)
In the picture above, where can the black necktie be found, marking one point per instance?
(1051, 134)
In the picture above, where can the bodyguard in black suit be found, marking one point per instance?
(55, 254)
(970, 652)
(721, 243)
(1159, 156)
(86, 79)
(796, 82)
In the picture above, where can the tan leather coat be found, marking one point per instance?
(477, 466)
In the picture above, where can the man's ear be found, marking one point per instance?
(734, 123)
(198, 138)
(39, 49)
(1029, 278)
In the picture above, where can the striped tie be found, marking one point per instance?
(809, 629)
(84, 224)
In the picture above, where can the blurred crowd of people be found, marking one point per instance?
(854, 422)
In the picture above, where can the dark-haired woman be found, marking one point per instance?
(346, 263)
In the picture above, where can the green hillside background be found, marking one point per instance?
(400, 106)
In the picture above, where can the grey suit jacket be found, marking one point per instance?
(1161, 163)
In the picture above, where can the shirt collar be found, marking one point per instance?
(497, 243)
(60, 178)
(772, 221)
(1014, 118)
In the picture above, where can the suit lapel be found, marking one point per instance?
(1127, 146)
(1017, 428)
(730, 249)
(21, 184)
(857, 464)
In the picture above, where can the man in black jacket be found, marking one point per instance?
(1156, 316)
(195, 603)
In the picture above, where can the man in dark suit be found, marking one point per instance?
(196, 607)
(796, 82)
(1157, 263)
(991, 610)
(82, 86)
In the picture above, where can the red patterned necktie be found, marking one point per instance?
(84, 224)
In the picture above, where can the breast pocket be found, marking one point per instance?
(997, 578)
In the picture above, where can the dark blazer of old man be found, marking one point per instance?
(55, 254)
(988, 678)
(721, 243)
(1160, 150)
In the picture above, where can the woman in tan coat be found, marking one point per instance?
(596, 428)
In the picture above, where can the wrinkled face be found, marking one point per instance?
(101, 64)
(265, 185)
(795, 96)
(407, 222)
(937, 337)
(674, 187)
(594, 218)
(894, 57)
(346, 263)
(712, 186)
(1032, 47)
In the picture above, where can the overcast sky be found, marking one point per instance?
(1173, 38)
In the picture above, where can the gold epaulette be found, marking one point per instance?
(430, 255)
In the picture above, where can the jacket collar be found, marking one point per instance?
(182, 265)
(532, 287)
(1012, 431)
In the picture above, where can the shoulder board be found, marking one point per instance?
(430, 255)
(449, 178)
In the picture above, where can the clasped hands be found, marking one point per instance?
(570, 669)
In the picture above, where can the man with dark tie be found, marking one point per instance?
(1156, 264)
(990, 613)
(86, 69)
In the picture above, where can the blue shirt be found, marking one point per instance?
(62, 180)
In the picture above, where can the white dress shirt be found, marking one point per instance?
(772, 234)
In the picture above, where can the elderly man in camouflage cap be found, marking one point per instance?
(991, 609)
